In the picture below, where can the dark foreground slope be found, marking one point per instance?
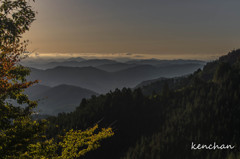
(204, 110)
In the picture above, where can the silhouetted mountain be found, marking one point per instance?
(78, 59)
(115, 67)
(164, 124)
(204, 111)
(210, 68)
(148, 82)
(63, 63)
(177, 77)
(62, 98)
(157, 62)
(36, 89)
(101, 81)
(45, 63)
(97, 62)
(131, 76)
(85, 77)
(104, 64)
(140, 73)
(155, 86)
(83, 63)
(207, 74)
(71, 62)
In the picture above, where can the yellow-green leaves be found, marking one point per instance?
(75, 143)
(43, 150)
(20, 136)
(78, 143)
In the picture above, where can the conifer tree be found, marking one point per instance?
(20, 136)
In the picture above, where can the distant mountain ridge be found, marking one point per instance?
(109, 75)
(160, 62)
(85, 77)
(206, 74)
(101, 81)
(61, 98)
(102, 63)
(115, 67)
(72, 62)
(195, 108)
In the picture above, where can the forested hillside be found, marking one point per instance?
(203, 109)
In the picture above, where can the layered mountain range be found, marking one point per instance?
(62, 84)
(161, 118)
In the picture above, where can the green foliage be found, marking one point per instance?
(86, 140)
(222, 72)
(20, 135)
(233, 156)
(204, 112)
(73, 145)
(201, 108)
(17, 130)
(163, 125)
(16, 18)
(44, 149)
(121, 109)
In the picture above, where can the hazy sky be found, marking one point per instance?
(161, 27)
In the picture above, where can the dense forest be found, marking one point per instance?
(203, 108)
(21, 135)
(161, 119)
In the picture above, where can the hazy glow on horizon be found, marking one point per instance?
(145, 28)
(126, 56)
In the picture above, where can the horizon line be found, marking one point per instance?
(60, 55)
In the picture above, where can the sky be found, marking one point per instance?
(151, 28)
